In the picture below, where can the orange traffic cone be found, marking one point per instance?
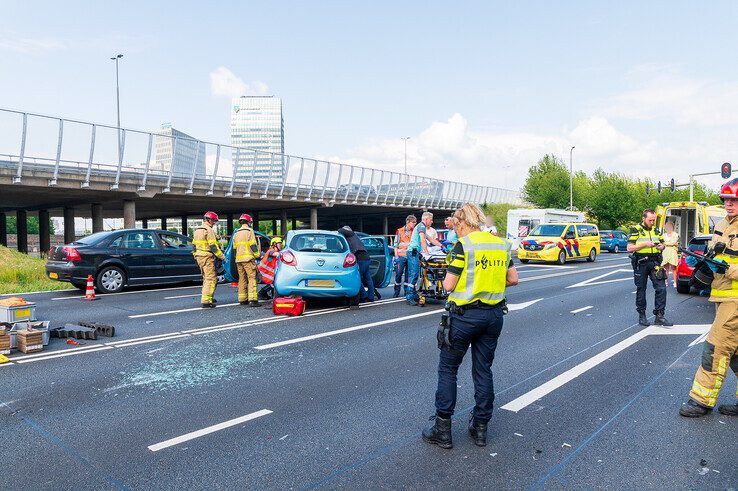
(90, 292)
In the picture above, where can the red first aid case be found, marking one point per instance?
(288, 306)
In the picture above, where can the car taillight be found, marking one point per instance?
(611, 235)
(349, 261)
(72, 254)
(288, 258)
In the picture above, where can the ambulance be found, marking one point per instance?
(521, 221)
(690, 218)
(560, 242)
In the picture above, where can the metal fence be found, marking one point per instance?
(30, 141)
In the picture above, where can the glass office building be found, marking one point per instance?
(257, 124)
(178, 150)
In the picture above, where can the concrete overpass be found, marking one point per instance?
(63, 167)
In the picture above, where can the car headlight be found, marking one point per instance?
(548, 246)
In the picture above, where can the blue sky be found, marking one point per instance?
(482, 88)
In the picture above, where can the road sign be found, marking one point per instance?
(725, 170)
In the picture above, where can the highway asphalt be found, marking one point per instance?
(235, 397)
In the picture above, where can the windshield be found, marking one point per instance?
(318, 243)
(548, 231)
(92, 239)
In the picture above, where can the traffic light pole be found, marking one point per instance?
(691, 181)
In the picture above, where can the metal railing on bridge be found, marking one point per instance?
(87, 150)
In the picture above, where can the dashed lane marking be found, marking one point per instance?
(576, 311)
(183, 296)
(207, 431)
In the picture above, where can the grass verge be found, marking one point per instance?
(22, 273)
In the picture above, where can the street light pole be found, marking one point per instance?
(117, 99)
(405, 138)
(571, 180)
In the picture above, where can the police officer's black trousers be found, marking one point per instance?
(479, 328)
(641, 274)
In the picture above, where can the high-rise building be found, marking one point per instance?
(178, 151)
(257, 124)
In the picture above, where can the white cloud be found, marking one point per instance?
(30, 45)
(224, 82)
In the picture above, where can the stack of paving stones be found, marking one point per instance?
(84, 330)
(4, 341)
(29, 341)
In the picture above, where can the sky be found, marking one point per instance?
(483, 89)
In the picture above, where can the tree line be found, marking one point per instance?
(609, 198)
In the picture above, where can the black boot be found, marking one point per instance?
(643, 320)
(661, 320)
(243, 302)
(439, 433)
(254, 303)
(693, 409)
(209, 305)
(376, 294)
(478, 432)
(729, 410)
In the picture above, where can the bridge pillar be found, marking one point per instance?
(144, 223)
(255, 217)
(21, 225)
(184, 225)
(3, 230)
(283, 223)
(313, 218)
(294, 224)
(360, 225)
(163, 223)
(385, 225)
(97, 218)
(229, 224)
(69, 225)
(274, 226)
(129, 214)
(44, 233)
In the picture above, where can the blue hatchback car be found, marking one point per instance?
(613, 241)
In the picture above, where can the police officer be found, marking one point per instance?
(721, 345)
(480, 268)
(247, 253)
(645, 245)
(206, 250)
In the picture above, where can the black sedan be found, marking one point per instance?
(124, 258)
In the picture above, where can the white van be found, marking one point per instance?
(521, 221)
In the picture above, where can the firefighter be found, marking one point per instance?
(721, 345)
(206, 250)
(246, 248)
(402, 240)
(480, 268)
(268, 268)
(645, 245)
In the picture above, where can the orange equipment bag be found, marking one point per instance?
(288, 306)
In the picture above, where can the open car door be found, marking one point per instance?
(381, 261)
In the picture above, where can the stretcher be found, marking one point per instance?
(430, 282)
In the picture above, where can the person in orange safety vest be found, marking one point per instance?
(402, 240)
(268, 266)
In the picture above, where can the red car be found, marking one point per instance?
(697, 245)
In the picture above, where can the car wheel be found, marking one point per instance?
(592, 256)
(111, 279)
(615, 249)
(525, 261)
(562, 258)
(683, 287)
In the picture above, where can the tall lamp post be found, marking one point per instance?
(405, 138)
(117, 58)
(571, 180)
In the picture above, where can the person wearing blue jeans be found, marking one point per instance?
(400, 272)
(413, 274)
(418, 244)
(357, 248)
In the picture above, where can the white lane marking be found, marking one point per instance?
(572, 271)
(576, 311)
(699, 340)
(347, 329)
(548, 266)
(206, 431)
(183, 296)
(541, 391)
(511, 307)
(103, 295)
(594, 281)
(6, 364)
(64, 354)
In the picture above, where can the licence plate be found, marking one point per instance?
(54, 276)
(320, 283)
(533, 254)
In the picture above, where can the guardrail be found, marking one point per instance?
(90, 149)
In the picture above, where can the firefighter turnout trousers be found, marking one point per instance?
(209, 277)
(719, 353)
(246, 281)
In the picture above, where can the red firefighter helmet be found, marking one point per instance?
(245, 218)
(211, 215)
(729, 189)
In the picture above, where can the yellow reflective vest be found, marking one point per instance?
(484, 264)
(245, 245)
(725, 288)
(641, 234)
(205, 243)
